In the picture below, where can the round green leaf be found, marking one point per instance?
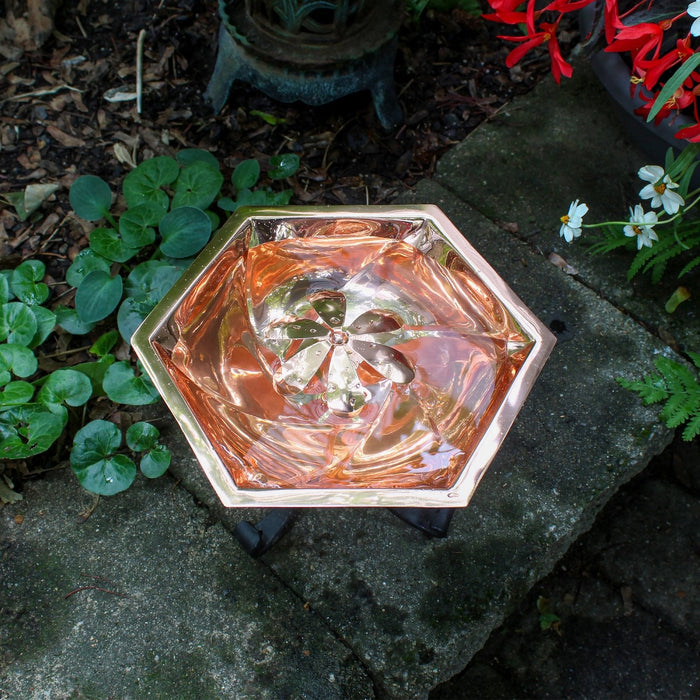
(90, 197)
(17, 323)
(196, 155)
(95, 461)
(131, 315)
(97, 296)
(150, 280)
(142, 436)
(108, 476)
(96, 440)
(32, 430)
(144, 183)
(252, 198)
(109, 244)
(104, 343)
(18, 359)
(123, 386)
(155, 462)
(5, 292)
(136, 224)
(69, 320)
(46, 322)
(95, 372)
(279, 199)
(197, 186)
(213, 218)
(246, 174)
(283, 165)
(185, 231)
(65, 386)
(26, 282)
(86, 261)
(16, 393)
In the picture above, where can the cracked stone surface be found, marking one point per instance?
(151, 597)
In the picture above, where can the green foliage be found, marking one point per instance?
(548, 619)
(677, 386)
(133, 259)
(101, 466)
(167, 202)
(680, 239)
(246, 176)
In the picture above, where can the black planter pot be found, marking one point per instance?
(654, 139)
(614, 73)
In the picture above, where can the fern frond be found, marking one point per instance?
(613, 238)
(656, 258)
(695, 357)
(690, 266)
(651, 389)
(692, 430)
(678, 387)
(642, 260)
(675, 411)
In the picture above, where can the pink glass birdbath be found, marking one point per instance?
(362, 356)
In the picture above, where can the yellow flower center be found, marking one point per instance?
(565, 219)
(660, 188)
(637, 230)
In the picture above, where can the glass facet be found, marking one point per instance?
(343, 357)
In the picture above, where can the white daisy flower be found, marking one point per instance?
(641, 225)
(660, 187)
(571, 222)
(694, 11)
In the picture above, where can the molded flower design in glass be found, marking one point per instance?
(329, 346)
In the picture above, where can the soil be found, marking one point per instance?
(56, 123)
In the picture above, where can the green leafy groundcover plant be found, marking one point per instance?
(677, 387)
(132, 261)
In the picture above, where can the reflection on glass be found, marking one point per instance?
(324, 353)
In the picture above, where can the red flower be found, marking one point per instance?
(689, 133)
(681, 99)
(548, 35)
(654, 68)
(611, 19)
(639, 40)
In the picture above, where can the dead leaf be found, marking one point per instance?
(120, 94)
(35, 195)
(122, 154)
(7, 495)
(559, 262)
(626, 593)
(510, 226)
(65, 139)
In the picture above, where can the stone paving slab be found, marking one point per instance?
(184, 612)
(626, 596)
(416, 610)
(549, 147)
(665, 578)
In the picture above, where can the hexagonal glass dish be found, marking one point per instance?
(359, 356)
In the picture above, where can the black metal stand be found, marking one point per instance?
(433, 522)
(258, 539)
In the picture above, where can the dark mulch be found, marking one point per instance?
(55, 123)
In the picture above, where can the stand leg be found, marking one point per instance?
(225, 71)
(433, 522)
(257, 539)
(383, 89)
